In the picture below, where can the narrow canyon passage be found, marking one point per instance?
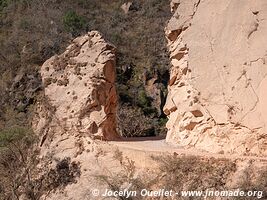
(124, 95)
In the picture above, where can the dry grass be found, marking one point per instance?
(32, 31)
(193, 173)
(185, 173)
(16, 161)
(18, 167)
(126, 178)
(133, 123)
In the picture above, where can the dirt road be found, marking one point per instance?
(155, 145)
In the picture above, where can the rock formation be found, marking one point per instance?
(217, 90)
(80, 97)
(126, 7)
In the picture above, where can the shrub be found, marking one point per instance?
(73, 22)
(64, 173)
(161, 126)
(139, 40)
(191, 173)
(256, 180)
(126, 178)
(3, 4)
(143, 100)
(25, 25)
(14, 156)
(194, 173)
(124, 95)
(133, 123)
(16, 135)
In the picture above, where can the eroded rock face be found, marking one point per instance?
(217, 91)
(80, 96)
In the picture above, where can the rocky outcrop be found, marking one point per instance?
(126, 7)
(80, 97)
(217, 99)
(154, 89)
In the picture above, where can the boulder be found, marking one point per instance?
(79, 93)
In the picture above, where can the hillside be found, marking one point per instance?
(139, 100)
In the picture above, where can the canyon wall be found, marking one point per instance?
(217, 97)
(79, 97)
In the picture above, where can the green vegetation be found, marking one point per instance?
(15, 143)
(133, 123)
(73, 22)
(12, 136)
(32, 31)
(3, 4)
(143, 100)
(162, 122)
(18, 161)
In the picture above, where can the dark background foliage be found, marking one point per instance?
(31, 31)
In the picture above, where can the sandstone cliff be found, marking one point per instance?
(217, 90)
(80, 97)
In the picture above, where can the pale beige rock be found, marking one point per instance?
(153, 90)
(79, 105)
(80, 96)
(218, 52)
(126, 7)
